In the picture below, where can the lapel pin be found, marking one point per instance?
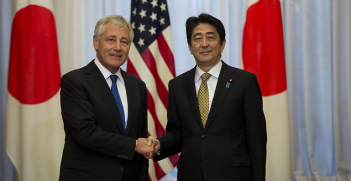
(228, 83)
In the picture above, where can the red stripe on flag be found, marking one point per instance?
(166, 53)
(151, 106)
(174, 159)
(159, 171)
(151, 64)
(131, 69)
(263, 46)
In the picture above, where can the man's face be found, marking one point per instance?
(113, 47)
(205, 46)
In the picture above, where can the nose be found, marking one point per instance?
(117, 46)
(204, 43)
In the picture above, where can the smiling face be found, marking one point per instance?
(205, 46)
(113, 47)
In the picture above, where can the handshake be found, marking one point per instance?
(147, 146)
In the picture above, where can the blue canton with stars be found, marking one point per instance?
(149, 18)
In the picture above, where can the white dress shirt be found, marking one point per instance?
(211, 82)
(120, 86)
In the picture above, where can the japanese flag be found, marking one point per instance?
(263, 54)
(34, 128)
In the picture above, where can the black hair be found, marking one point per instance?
(204, 18)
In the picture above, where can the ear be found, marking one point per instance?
(223, 45)
(189, 46)
(95, 42)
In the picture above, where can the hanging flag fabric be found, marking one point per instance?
(263, 54)
(34, 131)
(151, 59)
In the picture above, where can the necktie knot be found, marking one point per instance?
(113, 78)
(205, 76)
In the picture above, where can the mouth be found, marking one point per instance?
(205, 52)
(115, 56)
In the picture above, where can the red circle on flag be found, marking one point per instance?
(34, 68)
(263, 46)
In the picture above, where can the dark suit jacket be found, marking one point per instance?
(96, 147)
(232, 146)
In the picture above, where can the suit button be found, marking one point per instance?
(200, 159)
(121, 168)
(203, 136)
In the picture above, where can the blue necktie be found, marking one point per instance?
(118, 99)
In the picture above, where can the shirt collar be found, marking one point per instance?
(106, 73)
(214, 71)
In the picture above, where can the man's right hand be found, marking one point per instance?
(145, 147)
(148, 147)
(156, 144)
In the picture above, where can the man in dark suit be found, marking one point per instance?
(104, 111)
(215, 114)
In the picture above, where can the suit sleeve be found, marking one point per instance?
(143, 162)
(255, 129)
(80, 122)
(172, 141)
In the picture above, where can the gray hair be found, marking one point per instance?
(115, 19)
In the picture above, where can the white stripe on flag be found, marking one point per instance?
(166, 165)
(152, 172)
(151, 125)
(167, 34)
(146, 76)
(162, 68)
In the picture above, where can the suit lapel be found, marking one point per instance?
(189, 87)
(98, 82)
(130, 90)
(221, 91)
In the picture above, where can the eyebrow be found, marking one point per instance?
(207, 33)
(111, 36)
(114, 36)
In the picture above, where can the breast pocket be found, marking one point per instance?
(233, 104)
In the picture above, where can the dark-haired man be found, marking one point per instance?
(215, 115)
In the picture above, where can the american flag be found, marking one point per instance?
(151, 59)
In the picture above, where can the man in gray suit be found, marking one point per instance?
(215, 114)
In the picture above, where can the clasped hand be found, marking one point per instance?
(147, 146)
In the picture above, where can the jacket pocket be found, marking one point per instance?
(81, 165)
(180, 164)
(239, 160)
